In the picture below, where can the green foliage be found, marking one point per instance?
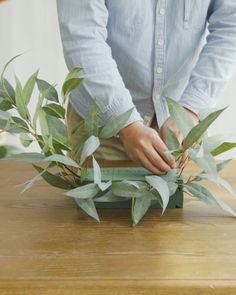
(48, 128)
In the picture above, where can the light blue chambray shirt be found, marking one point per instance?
(136, 52)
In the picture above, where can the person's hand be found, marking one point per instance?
(144, 146)
(171, 125)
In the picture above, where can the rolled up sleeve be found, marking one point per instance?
(83, 32)
(217, 60)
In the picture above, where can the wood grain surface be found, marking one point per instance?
(49, 246)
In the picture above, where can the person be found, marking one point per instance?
(133, 53)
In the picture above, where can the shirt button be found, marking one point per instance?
(159, 70)
(162, 11)
(160, 42)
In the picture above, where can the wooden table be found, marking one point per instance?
(49, 246)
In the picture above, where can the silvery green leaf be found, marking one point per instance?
(25, 139)
(29, 87)
(43, 124)
(54, 110)
(122, 189)
(172, 187)
(88, 206)
(156, 196)
(71, 82)
(56, 126)
(4, 115)
(138, 184)
(53, 179)
(86, 191)
(207, 162)
(113, 126)
(31, 182)
(110, 197)
(162, 187)
(47, 90)
(104, 185)
(20, 102)
(5, 104)
(90, 121)
(61, 159)
(180, 116)
(224, 147)
(203, 113)
(218, 180)
(140, 207)
(204, 195)
(171, 175)
(26, 157)
(60, 142)
(171, 140)
(90, 146)
(16, 125)
(197, 131)
(212, 142)
(8, 63)
(97, 176)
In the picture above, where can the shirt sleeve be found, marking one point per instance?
(217, 60)
(83, 32)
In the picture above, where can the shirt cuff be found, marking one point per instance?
(196, 100)
(117, 109)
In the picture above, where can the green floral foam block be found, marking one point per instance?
(133, 174)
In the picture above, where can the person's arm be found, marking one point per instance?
(83, 32)
(217, 60)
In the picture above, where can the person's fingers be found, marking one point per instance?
(156, 159)
(148, 165)
(161, 148)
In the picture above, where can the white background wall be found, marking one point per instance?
(31, 26)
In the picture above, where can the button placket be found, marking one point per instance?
(159, 58)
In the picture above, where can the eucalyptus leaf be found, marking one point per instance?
(54, 110)
(47, 90)
(218, 180)
(141, 206)
(113, 126)
(180, 116)
(29, 87)
(25, 139)
(20, 102)
(71, 82)
(90, 121)
(97, 176)
(123, 189)
(204, 195)
(56, 126)
(88, 206)
(61, 159)
(171, 140)
(212, 142)
(161, 186)
(5, 104)
(207, 162)
(90, 146)
(197, 131)
(52, 179)
(86, 191)
(110, 197)
(4, 115)
(8, 91)
(224, 147)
